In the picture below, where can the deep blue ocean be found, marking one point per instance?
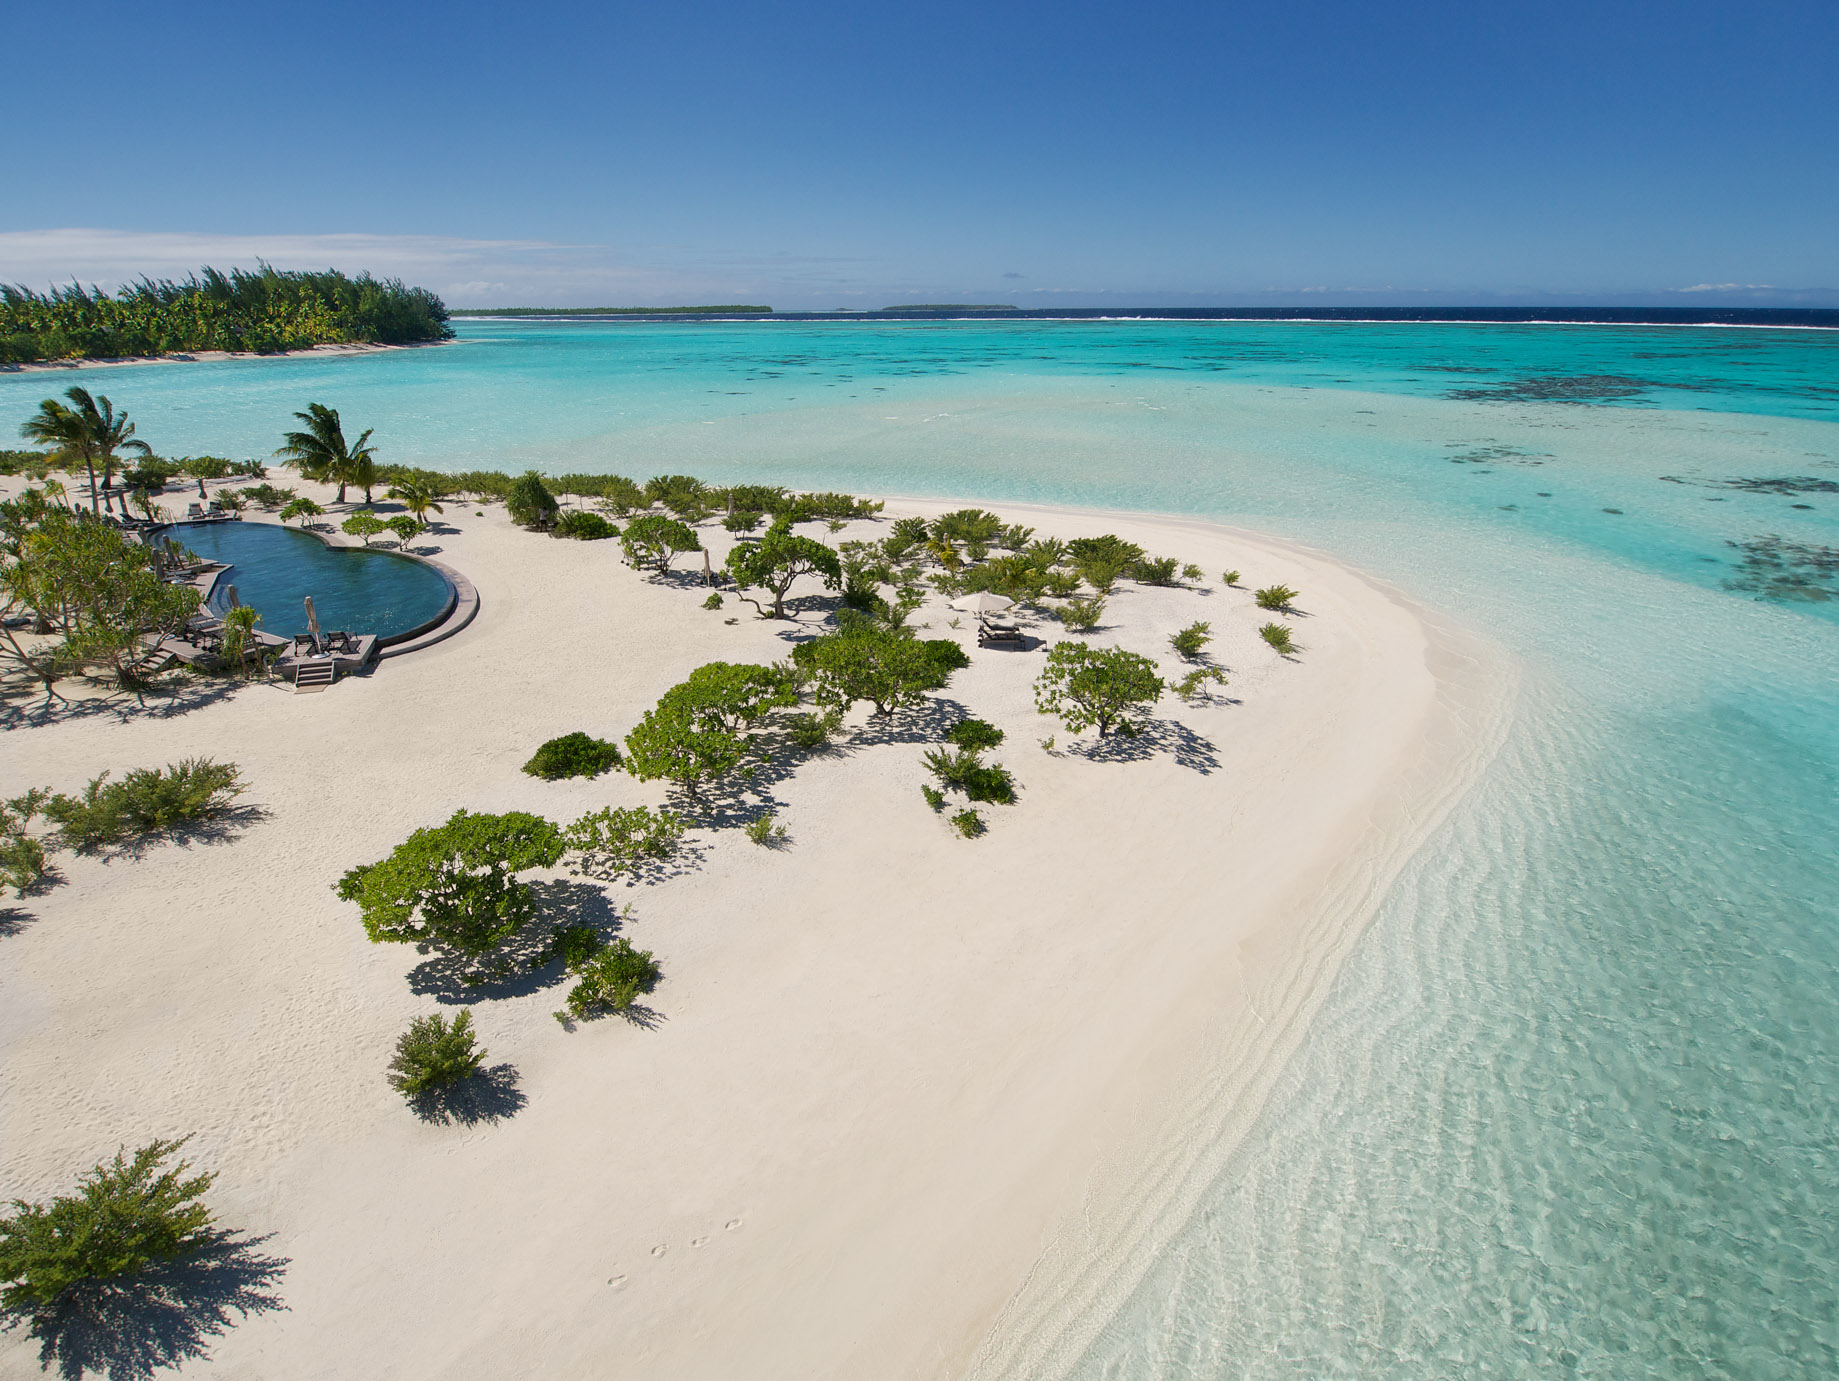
(1571, 1107)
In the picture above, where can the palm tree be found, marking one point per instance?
(320, 453)
(88, 431)
(416, 497)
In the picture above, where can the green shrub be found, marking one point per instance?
(1155, 570)
(267, 495)
(992, 784)
(433, 1053)
(1278, 637)
(743, 521)
(146, 801)
(814, 730)
(363, 524)
(207, 467)
(125, 1215)
(529, 503)
(1191, 641)
(1096, 687)
(619, 838)
(934, 797)
(574, 945)
(953, 769)
(1196, 685)
(763, 831)
(22, 862)
(974, 735)
(1192, 572)
(968, 823)
(611, 980)
(406, 526)
(573, 755)
(1060, 584)
(584, 527)
(714, 601)
(1081, 615)
(300, 508)
(1230, 577)
(1277, 597)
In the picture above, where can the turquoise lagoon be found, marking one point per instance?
(1571, 1106)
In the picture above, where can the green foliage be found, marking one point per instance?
(148, 800)
(302, 509)
(1278, 636)
(1229, 577)
(903, 535)
(573, 755)
(967, 525)
(434, 1053)
(321, 452)
(242, 653)
(611, 981)
(1081, 615)
(229, 501)
(779, 558)
(1155, 570)
(406, 527)
(1198, 684)
(1192, 641)
(125, 1216)
(267, 495)
(742, 520)
(454, 885)
(574, 945)
(363, 524)
(714, 601)
(733, 695)
(417, 491)
(814, 730)
(619, 839)
(651, 540)
(86, 431)
(1192, 573)
(530, 503)
(974, 735)
(1060, 584)
(684, 495)
(669, 743)
(584, 527)
(264, 310)
(964, 771)
(968, 823)
(22, 856)
(1088, 686)
(934, 797)
(1276, 597)
(208, 467)
(764, 832)
(866, 662)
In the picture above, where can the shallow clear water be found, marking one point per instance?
(274, 569)
(1572, 1106)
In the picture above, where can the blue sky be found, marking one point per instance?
(858, 155)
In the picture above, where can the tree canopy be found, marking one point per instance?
(321, 453)
(651, 540)
(867, 662)
(1090, 686)
(777, 559)
(698, 729)
(88, 430)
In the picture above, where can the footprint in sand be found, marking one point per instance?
(659, 1250)
(732, 1224)
(698, 1241)
(616, 1281)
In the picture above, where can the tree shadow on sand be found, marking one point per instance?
(130, 1327)
(176, 698)
(488, 1096)
(526, 963)
(1152, 737)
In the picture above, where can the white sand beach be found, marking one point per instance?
(315, 352)
(909, 1100)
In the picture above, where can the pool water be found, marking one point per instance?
(274, 569)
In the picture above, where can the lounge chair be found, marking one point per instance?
(194, 510)
(997, 629)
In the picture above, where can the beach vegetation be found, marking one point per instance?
(146, 801)
(584, 526)
(1198, 684)
(974, 735)
(242, 652)
(1091, 687)
(529, 502)
(611, 980)
(670, 743)
(778, 559)
(454, 886)
(301, 509)
(963, 770)
(418, 496)
(266, 495)
(1229, 577)
(82, 430)
(731, 696)
(765, 831)
(622, 839)
(967, 525)
(1279, 637)
(651, 540)
(743, 520)
(872, 663)
(1190, 643)
(573, 755)
(230, 501)
(1060, 584)
(1278, 598)
(364, 524)
(435, 1053)
(814, 730)
(263, 310)
(406, 526)
(1192, 573)
(23, 862)
(1081, 615)
(575, 944)
(126, 1215)
(714, 601)
(322, 454)
(1155, 570)
(684, 495)
(934, 797)
(210, 467)
(968, 823)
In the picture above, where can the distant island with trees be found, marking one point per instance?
(264, 311)
(609, 311)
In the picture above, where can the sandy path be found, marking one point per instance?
(895, 1072)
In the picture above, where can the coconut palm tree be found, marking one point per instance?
(89, 431)
(320, 453)
(416, 497)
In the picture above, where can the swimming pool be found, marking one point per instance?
(355, 590)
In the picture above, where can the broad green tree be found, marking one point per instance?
(867, 662)
(779, 558)
(668, 743)
(320, 452)
(530, 503)
(652, 540)
(732, 696)
(363, 524)
(89, 430)
(301, 509)
(1096, 687)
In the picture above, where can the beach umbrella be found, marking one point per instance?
(708, 577)
(312, 619)
(233, 601)
(201, 493)
(983, 602)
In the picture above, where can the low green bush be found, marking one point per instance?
(573, 755)
(974, 735)
(1155, 570)
(433, 1053)
(1278, 637)
(742, 522)
(584, 526)
(1192, 573)
(125, 1216)
(1081, 615)
(1197, 684)
(529, 503)
(1230, 577)
(714, 601)
(968, 823)
(146, 801)
(1191, 641)
(611, 981)
(763, 830)
(934, 797)
(992, 784)
(1060, 584)
(1278, 597)
(574, 945)
(813, 730)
